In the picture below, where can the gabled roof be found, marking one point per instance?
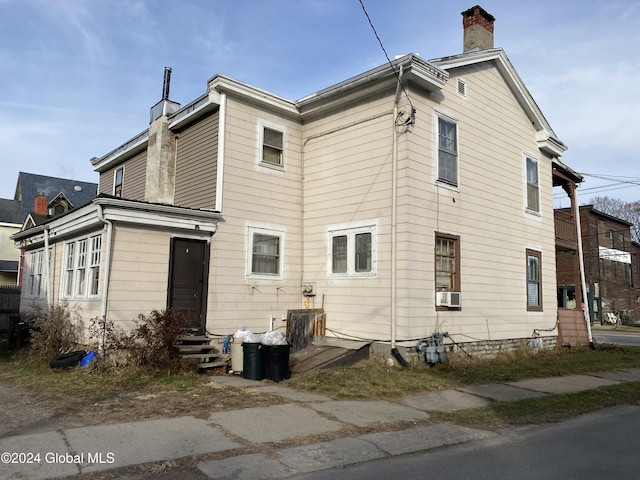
(30, 185)
(10, 211)
(547, 139)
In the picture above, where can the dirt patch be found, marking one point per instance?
(27, 410)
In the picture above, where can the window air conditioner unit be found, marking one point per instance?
(448, 299)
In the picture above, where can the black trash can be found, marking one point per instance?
(253, 367)
(276, 362)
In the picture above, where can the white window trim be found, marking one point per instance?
(36, 269)
(535, 213)
(260, 134)
(350, 233)
(436, 151)
(265, 231)
(89, 268)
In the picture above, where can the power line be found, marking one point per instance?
(386, 54)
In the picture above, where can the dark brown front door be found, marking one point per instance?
(188, 280)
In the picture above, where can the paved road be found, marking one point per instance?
(630, 339)
(590, 447)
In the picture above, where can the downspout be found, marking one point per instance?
(394, 187)
(585, 299)
(47, 264)
(107, 261)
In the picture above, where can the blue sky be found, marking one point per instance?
(79, 76)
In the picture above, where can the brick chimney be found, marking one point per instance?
(41, 204)
(478, 29)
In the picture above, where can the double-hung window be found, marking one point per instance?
(447, 151)
(272, 142)
(533, 186)
(36, 276)
(82, 267)
(447, 263)
(534, 280)
(352, 252)
(94, 265)
(265, 258)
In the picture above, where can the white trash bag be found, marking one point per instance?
(273, 337)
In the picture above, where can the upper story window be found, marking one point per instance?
(533, 185)
(447, 152)
(352, 251)
(612, 239)
(265, 258)
(82, 267)
(118, 181)
(621, 241)
(534, 280)
(272, 143)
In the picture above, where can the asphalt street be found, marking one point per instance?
(589, 447)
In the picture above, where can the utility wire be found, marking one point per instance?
(386, 54)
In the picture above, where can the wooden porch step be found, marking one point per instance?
(200, 355)
(193, 339)
(208, 365)
(194, 348)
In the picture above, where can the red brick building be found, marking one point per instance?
(610, 267)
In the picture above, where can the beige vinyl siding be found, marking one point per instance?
(261, 197)
(196, 164)
(486, 211)
(134, 177)
(348, 184)
(139, 274)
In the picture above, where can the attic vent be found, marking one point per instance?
(462, 88)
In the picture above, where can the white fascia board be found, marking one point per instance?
(159, 215)
(549, 144)
(416, 69)
(157, 219)
(118, 210)
(121, 153)
(220, 84)
(195, 110)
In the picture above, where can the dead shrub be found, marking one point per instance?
(150, 343)
(56, 330)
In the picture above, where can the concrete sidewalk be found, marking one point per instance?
(308, 433)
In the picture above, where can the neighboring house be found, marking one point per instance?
(399, 211)
(47, 196)
(37, 199)
(611, 267)
(10, 223)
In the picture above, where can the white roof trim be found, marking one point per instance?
(547, 139)
(221, 83)
(119, 211)
(121, 153)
